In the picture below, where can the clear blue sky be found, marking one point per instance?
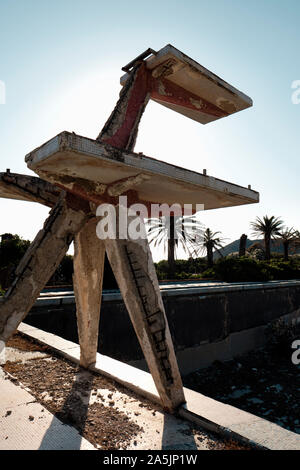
(61, 62)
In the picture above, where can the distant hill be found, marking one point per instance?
(233, 247)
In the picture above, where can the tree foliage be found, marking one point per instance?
(269, 228)
(173, 232)
(211, 242)
(12, 250)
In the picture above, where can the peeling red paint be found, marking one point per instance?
(175, 94)
(161, 89)
(136, 102)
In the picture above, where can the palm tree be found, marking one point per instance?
(288, 236)
(268, 227)
(211, 242)
(175, 231)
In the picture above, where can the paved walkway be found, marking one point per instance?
(25, 424)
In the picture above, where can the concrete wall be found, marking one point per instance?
(206, 324)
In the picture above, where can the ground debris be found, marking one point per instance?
(101, 425)
(89, 402)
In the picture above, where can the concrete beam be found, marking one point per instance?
(39, 263)
(121, 128)
(89, 255)
(120, 187)
(28, 188)
(133, 267)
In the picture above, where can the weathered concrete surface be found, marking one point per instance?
(83, 166)
(89, 255)
(28, 188)
(132, 264)
(122, 186)
(181, 84)
(121, 127)
(39, 263)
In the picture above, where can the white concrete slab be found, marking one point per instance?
(184, 72)
(75, 162)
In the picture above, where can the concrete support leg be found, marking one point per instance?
(121, 128)
(39, 263)
(89, 255)
(132, 264)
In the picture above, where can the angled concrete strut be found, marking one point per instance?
(39, 263)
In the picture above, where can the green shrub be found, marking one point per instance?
(184, 268)
(233, 269)
(12, 250)
(209, 273)
(182, 275)
(278, 269)
(246, 269)
(196, 276)
(185, 275)
(240, 269)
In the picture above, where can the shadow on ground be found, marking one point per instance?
(73, 413)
